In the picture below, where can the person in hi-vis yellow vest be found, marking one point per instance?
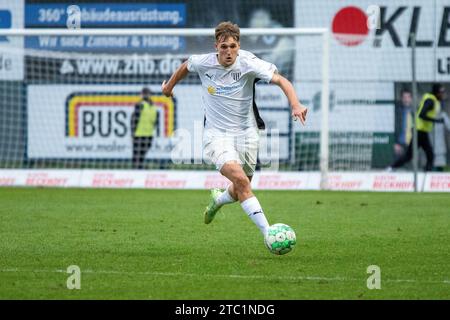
(143, 121)
(427, 115)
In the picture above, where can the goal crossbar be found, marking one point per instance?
(189, 32)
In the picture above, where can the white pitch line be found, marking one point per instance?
(233, 276)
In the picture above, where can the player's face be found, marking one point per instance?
(227, 50)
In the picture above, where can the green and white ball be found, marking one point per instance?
(280, 238)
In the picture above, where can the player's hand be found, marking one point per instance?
(299, 112)
(166, 90)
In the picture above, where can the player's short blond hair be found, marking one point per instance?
(227, 29)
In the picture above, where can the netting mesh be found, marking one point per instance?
(67, 102)
(74, 109)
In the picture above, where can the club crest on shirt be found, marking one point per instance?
(235, 75)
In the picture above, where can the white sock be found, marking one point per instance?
(253, 209)
(225, 198)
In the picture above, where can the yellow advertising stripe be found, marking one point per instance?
(95, 99)
(170, 112)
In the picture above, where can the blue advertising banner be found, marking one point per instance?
(5, 19)
(109, 44)
(104, 15)
(137, 59)
(107, 15)
(5, 22)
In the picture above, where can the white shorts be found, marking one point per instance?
(220, 147)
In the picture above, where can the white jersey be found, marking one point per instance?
(227, 92)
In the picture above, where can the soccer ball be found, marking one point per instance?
(280, 238)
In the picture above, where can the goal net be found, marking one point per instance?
(71, 104)
(68, 97)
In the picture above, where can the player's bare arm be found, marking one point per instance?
(298, 110)
(180, 73)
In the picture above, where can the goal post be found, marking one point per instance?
(325, 95)
(61, 80)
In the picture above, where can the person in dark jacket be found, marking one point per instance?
(403, 123)
(427, 115)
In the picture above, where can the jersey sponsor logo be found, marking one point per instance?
(223, 90)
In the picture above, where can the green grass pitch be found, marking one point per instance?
(153, 244)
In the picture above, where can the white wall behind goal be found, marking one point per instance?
(93, 122)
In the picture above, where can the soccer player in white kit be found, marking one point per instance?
(231, 136)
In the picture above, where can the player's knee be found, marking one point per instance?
(242, 184)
